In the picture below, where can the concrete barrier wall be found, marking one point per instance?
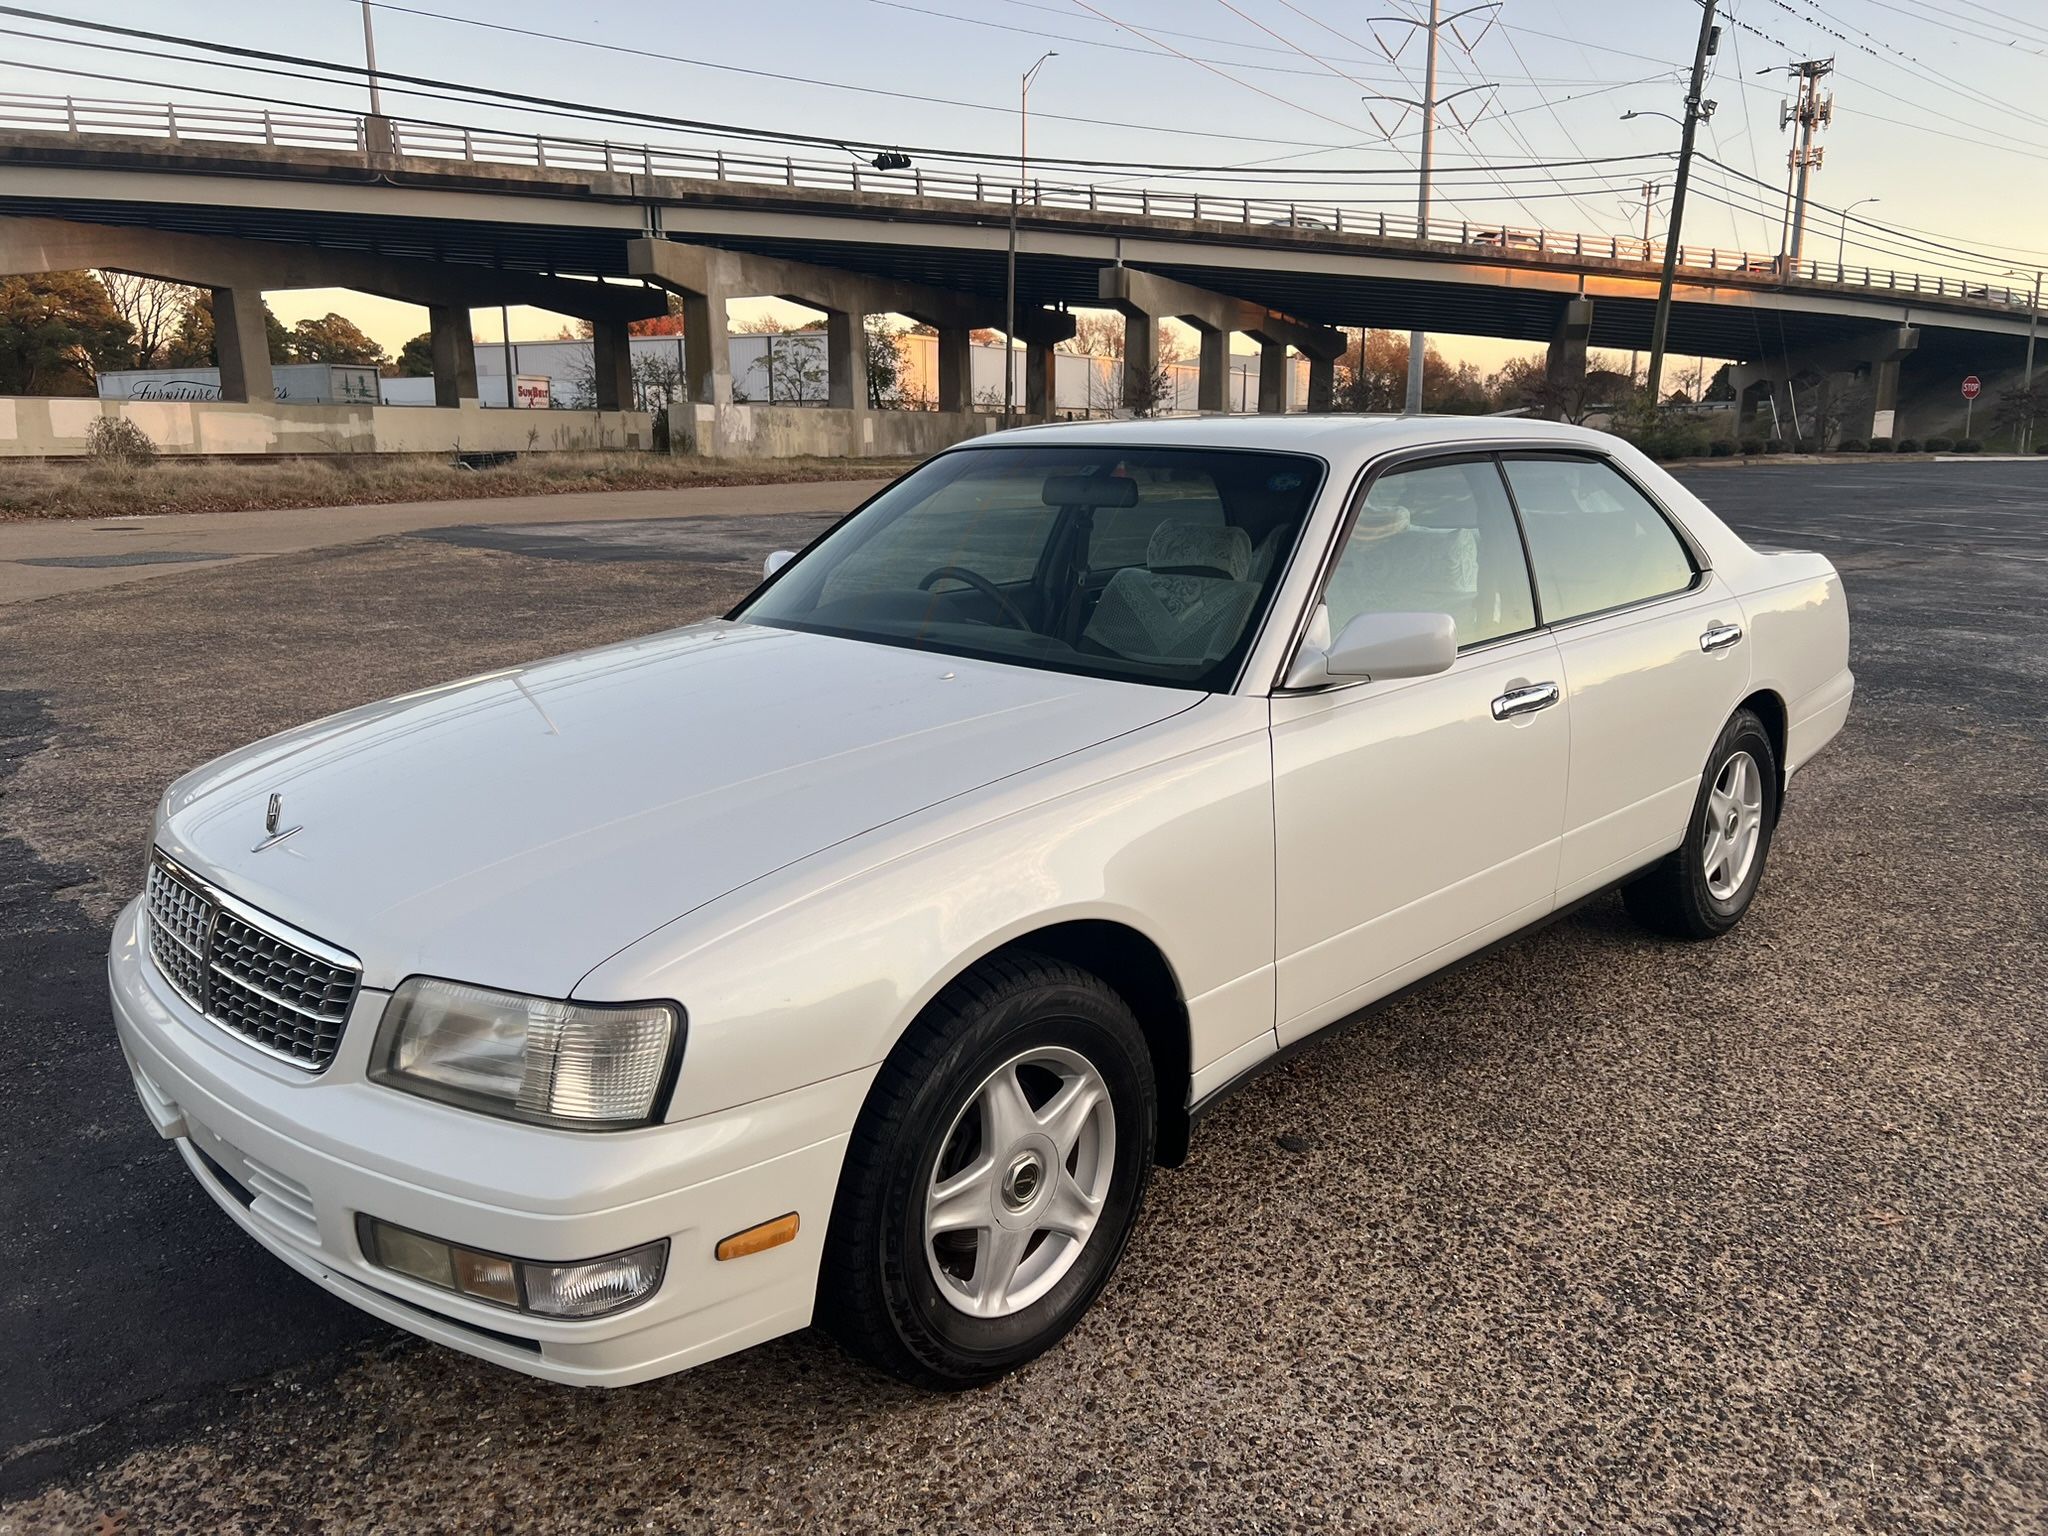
(788, 431)
(40, 427)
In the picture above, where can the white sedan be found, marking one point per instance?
(857, 956)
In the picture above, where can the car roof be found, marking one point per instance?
(1340, 438)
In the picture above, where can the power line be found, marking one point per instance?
(1148, 53)
(613, 115)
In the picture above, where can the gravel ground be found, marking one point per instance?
(1602, 1233)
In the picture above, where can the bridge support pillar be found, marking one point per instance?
(1272, 377)
(1145, 298)
(454, 354)
(1141, 364)
(1564, 369)
(243, 343)
(1322, 384)
(611, 365)
(1042, 330)
(1890, 350)
(1212, 383)
(707, 349)
(846, 360)
(956, 368)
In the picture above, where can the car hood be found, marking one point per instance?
(517, 828)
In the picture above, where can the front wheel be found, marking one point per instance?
(994, 1176)
(1703, 890)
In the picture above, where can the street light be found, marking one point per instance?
(1842, 244)
(370, 58)
(1016, 197)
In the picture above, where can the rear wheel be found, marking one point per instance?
(1703, 890)
(994, 1175)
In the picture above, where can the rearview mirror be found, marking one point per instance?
(777, 561)
(1376, 646)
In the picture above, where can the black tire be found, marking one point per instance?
(877, 1292)
(1674, 896)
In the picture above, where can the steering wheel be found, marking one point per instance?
(981, 584)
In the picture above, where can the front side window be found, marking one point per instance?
(1438, 538)
(1595, 540)
(1154, 565)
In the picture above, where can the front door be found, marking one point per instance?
(1418, 819)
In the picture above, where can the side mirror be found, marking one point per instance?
(1375, 645)
(777, 561)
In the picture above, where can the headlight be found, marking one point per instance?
(581, 1066)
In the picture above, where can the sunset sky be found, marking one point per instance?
(1940, 111)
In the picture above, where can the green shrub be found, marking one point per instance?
(1940, 444)
(1880, 445)
(1908, 445)
(1970, 445)
(1724, 448)
(117, 440)
(1851, 445)
(2041, 447)
(1666, 433)
(1774, 445)
(1752, 446)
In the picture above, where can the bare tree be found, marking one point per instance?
(152, 307)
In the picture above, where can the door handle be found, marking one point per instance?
(1720, 636)
(1525, 701)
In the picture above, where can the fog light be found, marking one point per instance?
(580, 1288)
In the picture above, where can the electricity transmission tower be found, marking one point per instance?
(1432, 30)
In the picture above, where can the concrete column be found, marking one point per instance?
(1322, 384)
(1212, 388)
(611, 357)
(244, 348)
(1272, 378)
(454, 354)
(707, 350)
(1040, 400)
(846, 361)
(1141, 364)
(956, 368)
(1565, 367)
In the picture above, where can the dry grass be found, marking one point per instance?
(33, 489)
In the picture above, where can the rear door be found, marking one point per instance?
(1417, 819)
(1654, 658)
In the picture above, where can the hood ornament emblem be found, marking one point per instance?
(271, 816)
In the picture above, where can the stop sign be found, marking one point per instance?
(1972, 387)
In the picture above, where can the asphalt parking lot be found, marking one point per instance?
(1602, 1233)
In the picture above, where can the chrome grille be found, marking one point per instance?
(223, 958)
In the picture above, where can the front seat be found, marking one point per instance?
(1187, 603)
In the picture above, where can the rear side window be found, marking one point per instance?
(1596, 542)
(1439, 538)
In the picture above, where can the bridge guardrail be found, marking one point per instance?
(78, 119)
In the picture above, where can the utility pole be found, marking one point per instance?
(1016, 197)
(1695, 110)
(1650, 191)
(1418, 341)
(1811, 111)
(2033, 402)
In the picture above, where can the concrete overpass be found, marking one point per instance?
(505, 210)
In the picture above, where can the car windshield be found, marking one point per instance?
(1148, 564)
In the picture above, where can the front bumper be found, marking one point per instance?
(293, 1157)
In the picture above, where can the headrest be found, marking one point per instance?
(1178, 546)
(1381, 520)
